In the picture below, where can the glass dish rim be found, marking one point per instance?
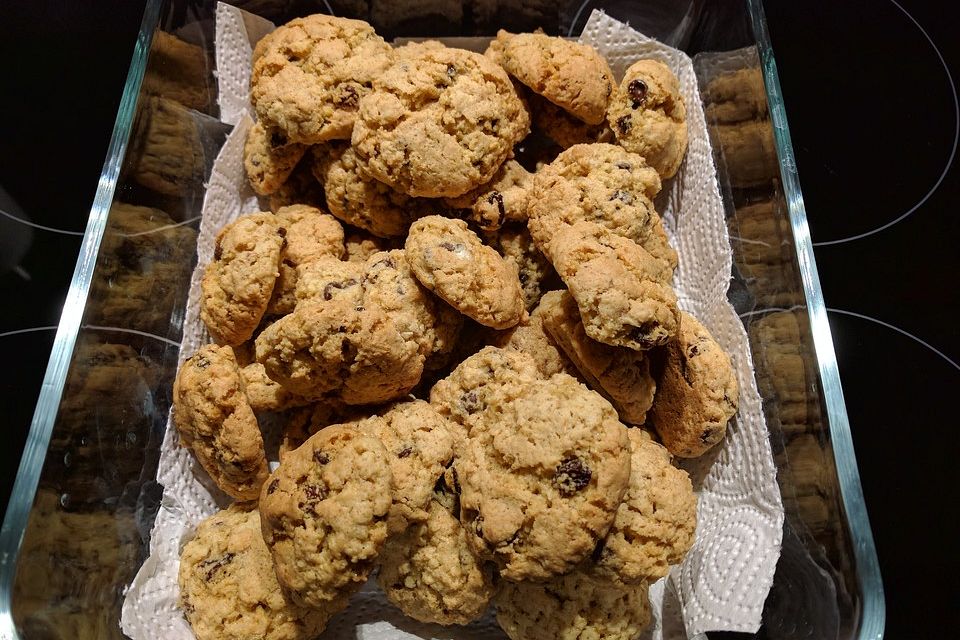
(873, 611)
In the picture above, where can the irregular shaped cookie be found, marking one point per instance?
(306, 421)
(563, 127)
(531, 338)
(419, 447)
(503, 199)
(238, 284)
(542, 473)
(430, 574)
(300, 188)
(216, 423)
(449, 259)
(648, 116)
(605, 184)
(228, 588)
(312, 73)
(534, 270)
(654, 527)
(617, 286)
(311, 234)
(439, 122)
(572, 607)
(569, 74)
(269, 158)
(620, 375)
(324, 514)
(264, 394)
(697, 392)
(361, 244)
(359, 356)
(360, 200)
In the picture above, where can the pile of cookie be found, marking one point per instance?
(452, 344)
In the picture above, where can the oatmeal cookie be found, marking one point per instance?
(572, 607)
(605, 184)
(503, 199)
(542, 473)
(531, 338)
(228, 588)
(430, 574)
(238, 284)
(264, 394)
(419, 446)
(450, 260)
(439, 122)
(648, 116)
(312, 74)
(362, 201)
(324, 513)
(215, 421)
(534, 270)
(304, 422)
(361, 244)
(300, 188)
(563, 127)
(269, 158)
(617, 286)
(569, 74)
(654, 527)
(697, 392)
(619, 374)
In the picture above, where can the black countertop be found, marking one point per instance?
(872, 107)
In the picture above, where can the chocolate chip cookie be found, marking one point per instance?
(564, 128)
(504, 199)
(269, 158)
(533, 269)
(531, 338)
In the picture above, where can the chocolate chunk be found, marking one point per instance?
(623, 196)
(626, 166)
(694, 350)
(638, 92)
(571, 476)
(624, 123)
(314, 492)
(321, 457)
(451, 246)
(277, 139)
(273, 486)
(348, 97)
(495, 197)
(706, 436)
(328, 290)
(451, 71)
(405, 452)
(470, 402)
(213, 566)
(217, 251)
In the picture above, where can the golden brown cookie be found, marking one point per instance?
(269, 158)
(563, 127)
(503, 199)
(531, 338)
(324, 514)
(648, 116)
(697, 392)
(439, 122)
(215, 421)
(533, 269)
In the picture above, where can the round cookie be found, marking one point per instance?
(215, 421)
(648, 116)
(420, 447)
(654, 527)
(439, 122)
(429, 573)
(569, 74)
(238, 283)
(311, 234)
(269, 159)
(606, 184)
(697, 392)
(324, 514)
(541, 473)
(228, 588)
(362, 201)
(572, 607)
(312, 73)
(503, 199)
(449, 259)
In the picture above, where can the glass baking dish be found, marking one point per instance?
(78, 522)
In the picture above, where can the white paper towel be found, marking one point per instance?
(724, 580)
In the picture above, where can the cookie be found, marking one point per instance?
(569, 74)
(180, 71)
(215, 421)
(300, 188)
(430, 574)
(269, 158)
(654, 527)
(311, 234)
(264, 394)
(419, 448)
(166, 154)
(228, 588)
(564, 128)
(605, 184)
(572, 607)
(648, 116)
(542, 472)
(360, 244)
(312, 73)
(238, 283)
(439, 122)
(364, 202)
(535, 272)
(503, 199)
(324, 513)
(737, 96)
(451, 261)
(697, 392)
(617, 286)
(620, 375)
(303, 422)
(531, 338)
